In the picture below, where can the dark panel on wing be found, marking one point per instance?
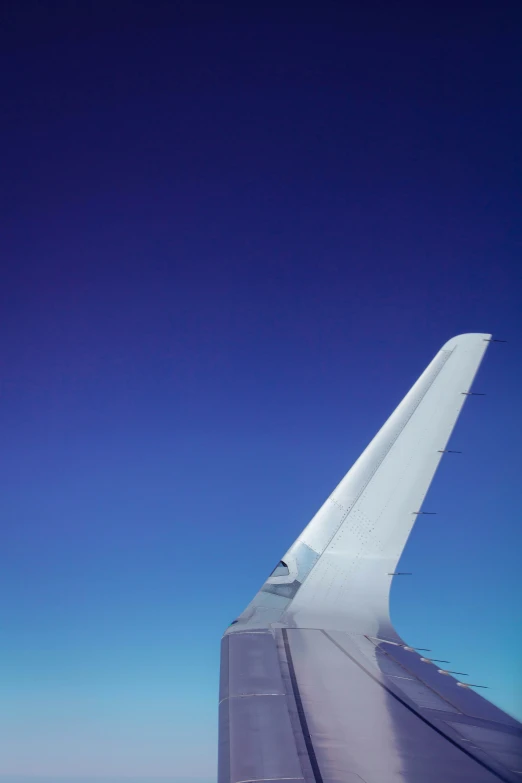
(256, 737)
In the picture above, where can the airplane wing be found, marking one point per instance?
(316, 685)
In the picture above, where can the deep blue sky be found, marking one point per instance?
(231, 239)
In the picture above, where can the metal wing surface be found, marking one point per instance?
(316, 685)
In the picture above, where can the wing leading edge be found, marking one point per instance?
(316, 684)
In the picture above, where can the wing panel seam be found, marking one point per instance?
(300, 711)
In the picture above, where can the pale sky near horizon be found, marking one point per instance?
(101, 779)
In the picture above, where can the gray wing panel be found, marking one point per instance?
(256, 738)
(364, 726)
(331, 707)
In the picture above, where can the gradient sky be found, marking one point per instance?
(231, 241)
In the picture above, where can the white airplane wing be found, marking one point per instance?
(316, 685)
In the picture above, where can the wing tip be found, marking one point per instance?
(467, 340)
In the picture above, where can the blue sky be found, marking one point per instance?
(230, 245)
